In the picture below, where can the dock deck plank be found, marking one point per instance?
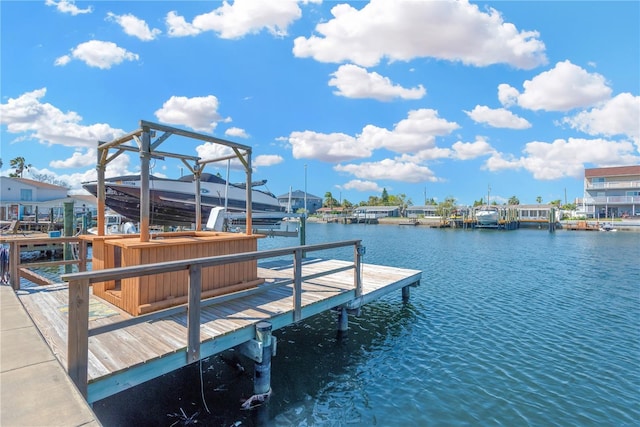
(115, 352)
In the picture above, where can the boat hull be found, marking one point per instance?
(178, 208)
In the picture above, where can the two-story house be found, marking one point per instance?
(611, 192)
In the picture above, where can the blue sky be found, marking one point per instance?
(441, 98)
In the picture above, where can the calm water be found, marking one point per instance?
(511, 328)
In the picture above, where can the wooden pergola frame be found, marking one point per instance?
(140, 140)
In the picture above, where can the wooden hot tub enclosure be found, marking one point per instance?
(140, 295)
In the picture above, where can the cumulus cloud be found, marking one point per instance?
(355, 82)
(471, 150)
(198, 113)
(68, 6)
(563, 88)
(177, 26)
(497, 118)
(134, 26)
(99, 54)
(404, 30)
(360, 185)
(33, 119)
(267, 160)
(232, 21)
(236, 132)
(565, 158)
(415, 133)
(77, 160)
(389, 169)
(617, 116)
(333, 147)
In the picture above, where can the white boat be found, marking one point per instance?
(173, 201)
(115, 224)
(487, 215)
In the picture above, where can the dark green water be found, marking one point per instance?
(513, 328)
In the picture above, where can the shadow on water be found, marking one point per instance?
(311, 355)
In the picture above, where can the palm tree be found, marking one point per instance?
(20, 165)
(539, 199)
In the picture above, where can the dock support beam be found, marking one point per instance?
(343, 321)
(262, 370)
(406, 293)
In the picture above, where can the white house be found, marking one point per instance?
(22, 198)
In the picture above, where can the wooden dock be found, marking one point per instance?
(122, 351)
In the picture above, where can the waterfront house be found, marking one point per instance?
(297, 201)
(611, 192)
(375, 212)
(425, 211)
(22, 198)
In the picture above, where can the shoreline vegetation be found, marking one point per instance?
(620, 224)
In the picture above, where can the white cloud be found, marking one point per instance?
(100, 54)
(267, 160)
(404, 30)
(355, 82)
(78, 159)
(471, 150)
(134, 26)
(177, 26)
(360, 185)
(563, 88)
(334, 147)
(68, 6)
(507, 95)
(198, 113)
(27, 115)
(415, 133)
(389, 169)
(236, 132)
(232, 21)
(565, 158)
(497, 118)
(617, 116)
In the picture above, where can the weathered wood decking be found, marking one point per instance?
(155, 344)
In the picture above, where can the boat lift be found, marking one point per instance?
(140, 140)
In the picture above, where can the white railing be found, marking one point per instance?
(611, 200)
(611, 184)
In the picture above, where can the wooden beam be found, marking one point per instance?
(193, 319)
(78, 334)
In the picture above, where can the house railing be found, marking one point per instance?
(611, 185)
(79, 283)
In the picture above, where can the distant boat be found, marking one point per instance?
(115, 224)
(487, 215)
(173, 201)
(607, 227)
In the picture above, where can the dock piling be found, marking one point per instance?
(343, 321)
(262, 370)
(406, 293)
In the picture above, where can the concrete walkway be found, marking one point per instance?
(34, 388)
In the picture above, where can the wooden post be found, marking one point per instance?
(359, 250)
(82, 249)
(196, 176)
(193, 311)
(145, 202)
(406, 293)
(249, 204)
(78, 334)
(14, 265)
(297, 285)
(262, 370)
(68, 232)
(100, 188)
